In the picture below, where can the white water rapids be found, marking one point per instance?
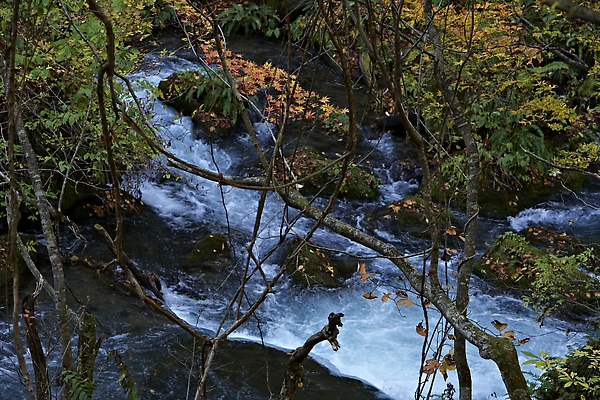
(378, 341)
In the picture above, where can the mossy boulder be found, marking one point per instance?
(549, 279)
(409, 214)
(212, 251)
(510, 201)
(309, 264)
(206, 99)
(359, 183)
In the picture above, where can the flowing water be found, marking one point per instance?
(379, 345)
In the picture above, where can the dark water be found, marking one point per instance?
(379, 343)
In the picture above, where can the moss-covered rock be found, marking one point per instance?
(212, 251)
(358, 183)
(549, 279)
(207, 99)
(409, 214)
(511, 201)
(310, 265)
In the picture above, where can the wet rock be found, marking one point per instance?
(549, 278)
(206, 99)
(212, 251)
(309, 264)
(359, 183)
(409, 213)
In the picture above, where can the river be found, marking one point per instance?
(380, 351)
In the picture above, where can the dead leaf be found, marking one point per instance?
(443, 372)
(499, 325)
(451, 336)
(370, 296)
(430, 366)
(401, 293)
(361, 269)
(385, 297)
(523, 341)
(448, 362)
(366, 277)
(420, 330)
(395, 207)
(404, 302)
(451, 231)
(509, 335)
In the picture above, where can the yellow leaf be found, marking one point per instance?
(395, 207)
(370, 296)
(451, 231)
(499, 325)
(448, 361)
(509, 335)
(385, 297)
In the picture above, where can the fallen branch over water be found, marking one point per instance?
(295, 370)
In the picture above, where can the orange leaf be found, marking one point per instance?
(430, 366)
(385, 297)
(509, 335)
(523, 341)
(370, 296)
(420, 330)
(499, 325)
(404, 302)
(361, 269)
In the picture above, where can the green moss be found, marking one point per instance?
(358, 182)
(409, 212)
(549, 280)
(312, 265)
(211, 251)
(208, 100)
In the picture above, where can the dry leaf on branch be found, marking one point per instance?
(430, 366)
(420, 330)
(499, 325)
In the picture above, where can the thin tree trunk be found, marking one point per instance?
(7, 67)
(44, 211)
(36, 350)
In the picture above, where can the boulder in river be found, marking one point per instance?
(359, 183)
(211, 251)
(549, 278)
(310, 264)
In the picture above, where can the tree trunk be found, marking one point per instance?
(34, 342)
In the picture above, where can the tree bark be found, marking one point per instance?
(574, 10)
(87, 347)
(34, 342)
(294, 371)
